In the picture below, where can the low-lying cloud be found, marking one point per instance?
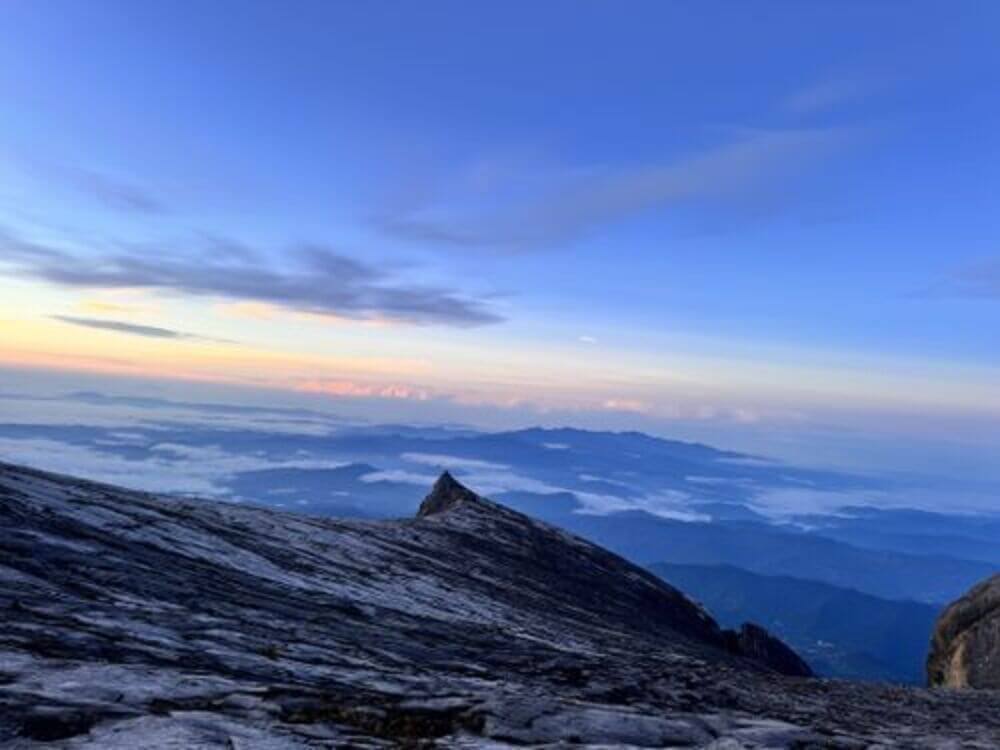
(493, 479)
(443, 461)
(782, 503)
(169, 469)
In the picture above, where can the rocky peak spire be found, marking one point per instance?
(446, 494)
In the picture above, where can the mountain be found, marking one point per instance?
(965, 651)
(968, 537)
(840, 632)
(770, 550)
(131, 620)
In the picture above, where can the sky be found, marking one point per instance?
(761, 224)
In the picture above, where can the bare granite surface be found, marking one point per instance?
(133, 621)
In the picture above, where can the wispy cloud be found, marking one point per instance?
(831, 93)
(133, 329)
(975, 281)
(96, 183)
(17, 251)
(313, 279)
(554, 206)
(116, 194)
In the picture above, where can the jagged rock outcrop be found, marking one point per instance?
(965, 646)
(446, 494)
(136, 621)
(755, 642)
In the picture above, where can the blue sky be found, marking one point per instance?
(647, 214)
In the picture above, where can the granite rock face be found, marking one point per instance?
(965, 646)
(134, 621)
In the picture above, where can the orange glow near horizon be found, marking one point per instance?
(301, 353)
(57, 345)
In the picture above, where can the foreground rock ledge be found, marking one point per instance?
(134, 621)
(965, 647)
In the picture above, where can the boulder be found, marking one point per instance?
(965, 646)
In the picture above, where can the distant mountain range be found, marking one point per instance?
(840, 632)
(914, 532)
(767, 550)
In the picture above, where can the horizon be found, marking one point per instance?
(499, 373)
(767, 229)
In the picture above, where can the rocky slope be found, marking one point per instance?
(134, 621)
(965, 648)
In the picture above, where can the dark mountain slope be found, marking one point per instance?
(132, 621)
(564, 573)
(840, 632)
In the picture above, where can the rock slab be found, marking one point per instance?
(965, 646)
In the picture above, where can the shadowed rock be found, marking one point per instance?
(613, 587)
(445, 495)
(755, 642)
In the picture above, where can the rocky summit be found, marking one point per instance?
(965, 647)
(135, 621)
